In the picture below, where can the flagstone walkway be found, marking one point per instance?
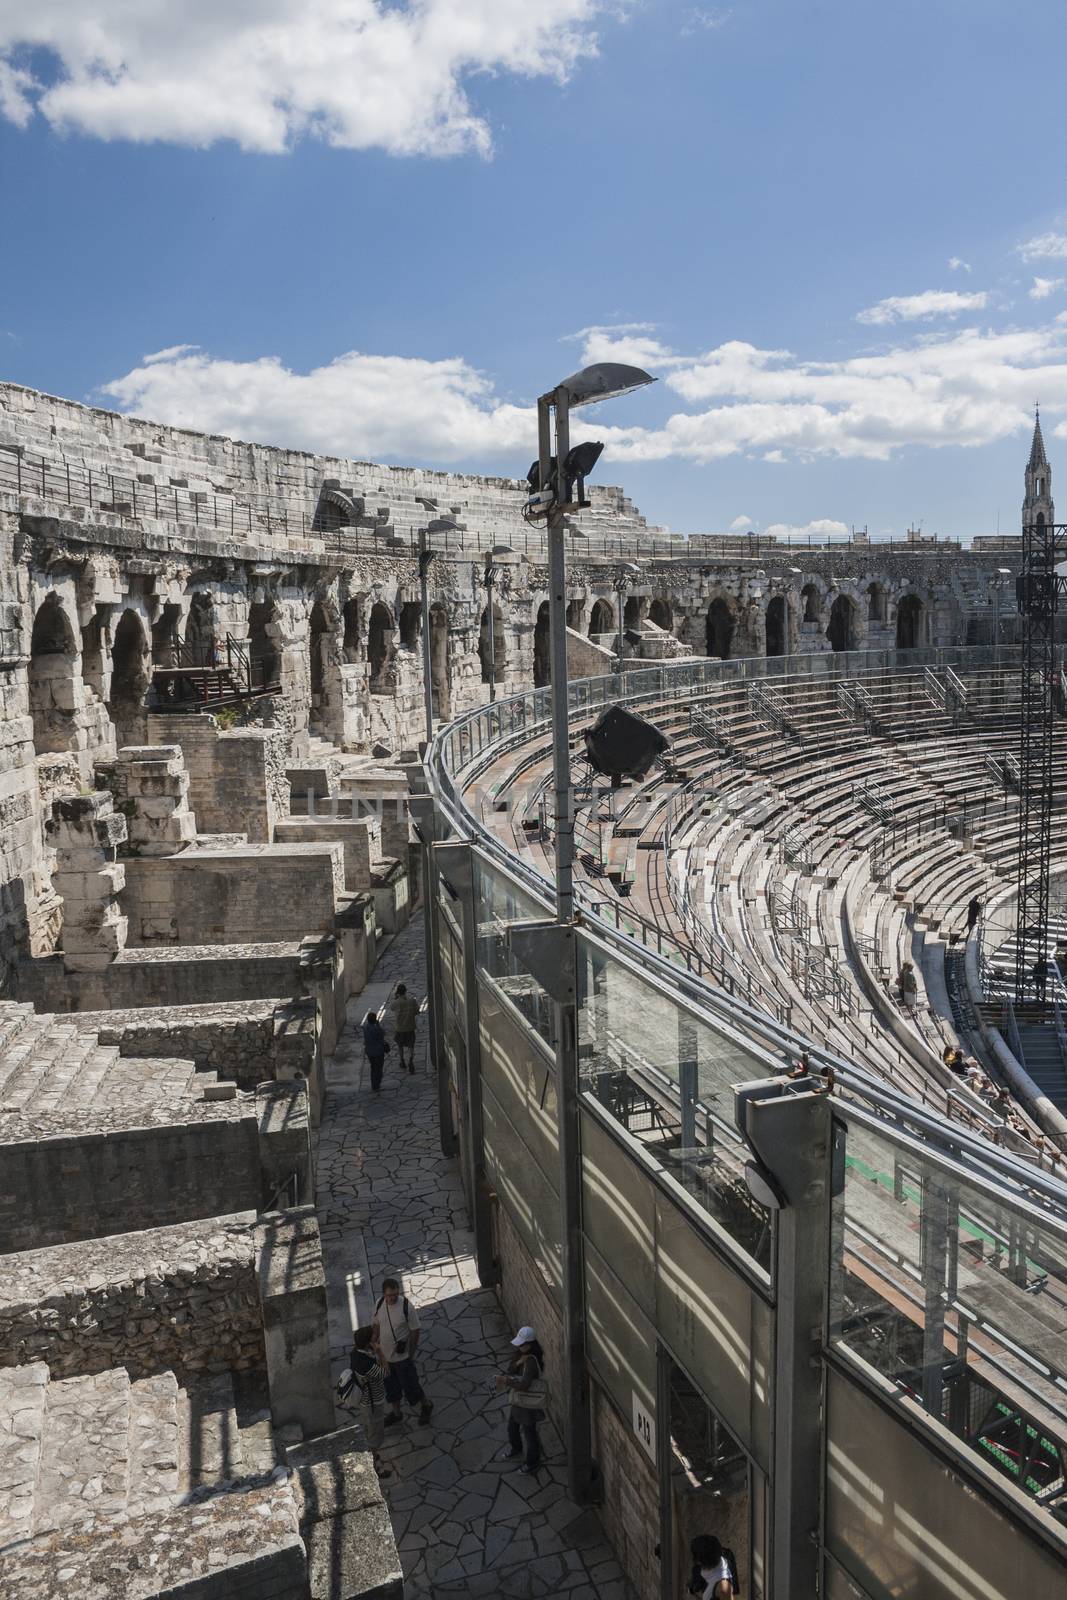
(467, 1523)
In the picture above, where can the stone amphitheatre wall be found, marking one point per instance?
(94, 592)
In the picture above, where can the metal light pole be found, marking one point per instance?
(490, 575)
(1001, 577)
(622, 583)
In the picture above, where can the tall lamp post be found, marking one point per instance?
(557, 486)
(426, 555)
(1001, 579)
(491, 571)
(623, 577)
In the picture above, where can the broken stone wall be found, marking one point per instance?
(233, 896)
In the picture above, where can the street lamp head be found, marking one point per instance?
(605, 380)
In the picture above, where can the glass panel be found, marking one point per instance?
(668, 1079)
(498, 903)
(961, 1299)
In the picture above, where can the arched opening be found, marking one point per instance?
(777, 626)
(130, 676)
(410, 624)
(633, 612)
(93, 667)
(720, 629)
(876, 603)
(841, 629)
(262, 649)
(200, 639)
(574, 613)
(380, 649)
(318, 646)
(910, 622)
(812, 604)
(53, 654)
(661, 614)
(352, 617)
(542, 668)
(500, 646)
(442, 703)
(601, 618)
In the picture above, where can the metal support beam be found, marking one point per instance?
(790, 1134)
(425, 819)
(935, 1225)
(426, 555)
(455, 861)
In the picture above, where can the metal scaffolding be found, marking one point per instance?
(1039, 588)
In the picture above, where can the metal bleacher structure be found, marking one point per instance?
(902, 1306)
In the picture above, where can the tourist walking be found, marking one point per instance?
(396, 1332)
(406, 1012)
(909, 986)
(367, 1374)
(974, 911)
(714, 1575)
(525, 1382)
(375, 1045)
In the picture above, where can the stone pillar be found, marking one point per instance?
(292, 1292)
(86, 831)
(150, 785)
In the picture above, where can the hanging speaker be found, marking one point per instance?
(621, 744)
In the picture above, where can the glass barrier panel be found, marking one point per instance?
(667, 1077)
(960, 1297)
(498, 902)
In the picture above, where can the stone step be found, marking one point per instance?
(209, 1440)
(85, 1451)
(259, 1450)
(154, 1437)
(82, 1088)
(14, 1020)
(23, 1391)
(65, 1069)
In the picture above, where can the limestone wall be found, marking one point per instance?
(231, 896)
(182, 1299)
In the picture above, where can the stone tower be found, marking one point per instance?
(1037, 506)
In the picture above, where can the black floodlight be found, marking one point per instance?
(576, 468)
(605, 380)
(533, 477)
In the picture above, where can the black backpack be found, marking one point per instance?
(697, 1584)
(381, 1303)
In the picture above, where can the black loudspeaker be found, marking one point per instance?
(623, 745)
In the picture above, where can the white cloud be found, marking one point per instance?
(742, 523)
(956, 264)
(359, 74)
(1043, 287)
(922, 307)
(702, 20)
(968, 388)
(1052, 246)
(169, 353)
(629, 342)
(821, 528)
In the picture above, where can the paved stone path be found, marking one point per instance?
(467, 1523)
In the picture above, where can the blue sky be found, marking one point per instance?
(382, 230)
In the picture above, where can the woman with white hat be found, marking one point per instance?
(525, 1382)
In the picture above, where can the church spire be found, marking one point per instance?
(1037, 448)
(1037, 506)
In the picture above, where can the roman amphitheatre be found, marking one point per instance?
(820, 1307)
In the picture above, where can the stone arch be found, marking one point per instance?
(812, 602)
(841, 628)
(131, 673)
(201, 640)
(876, 603)
(719, 628)
(410, 624)
(777, 626)
(94, 669)
(262, 644)
(318, 650)
(439, 662)
(165, 636)
(53, 665)
(500, 645)
(601, 618)
(574, 613)
(634, 611)
(661, 613)
(911, 622)
(380, 648)
(352, 636)
(542, 655)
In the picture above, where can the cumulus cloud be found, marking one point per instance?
(742, 523)
(1050, 246)
(957, 264)
(922, 307)
(628, 342)
(821, 528)
(702, 20)
(1043, 287)
(359, 74)
(965, 388)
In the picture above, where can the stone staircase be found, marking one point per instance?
(1044, 1063)
(98, 1451)
(55, 1074)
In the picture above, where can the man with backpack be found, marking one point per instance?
(714, 1575)
(396, 1332)
(366, 1372)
